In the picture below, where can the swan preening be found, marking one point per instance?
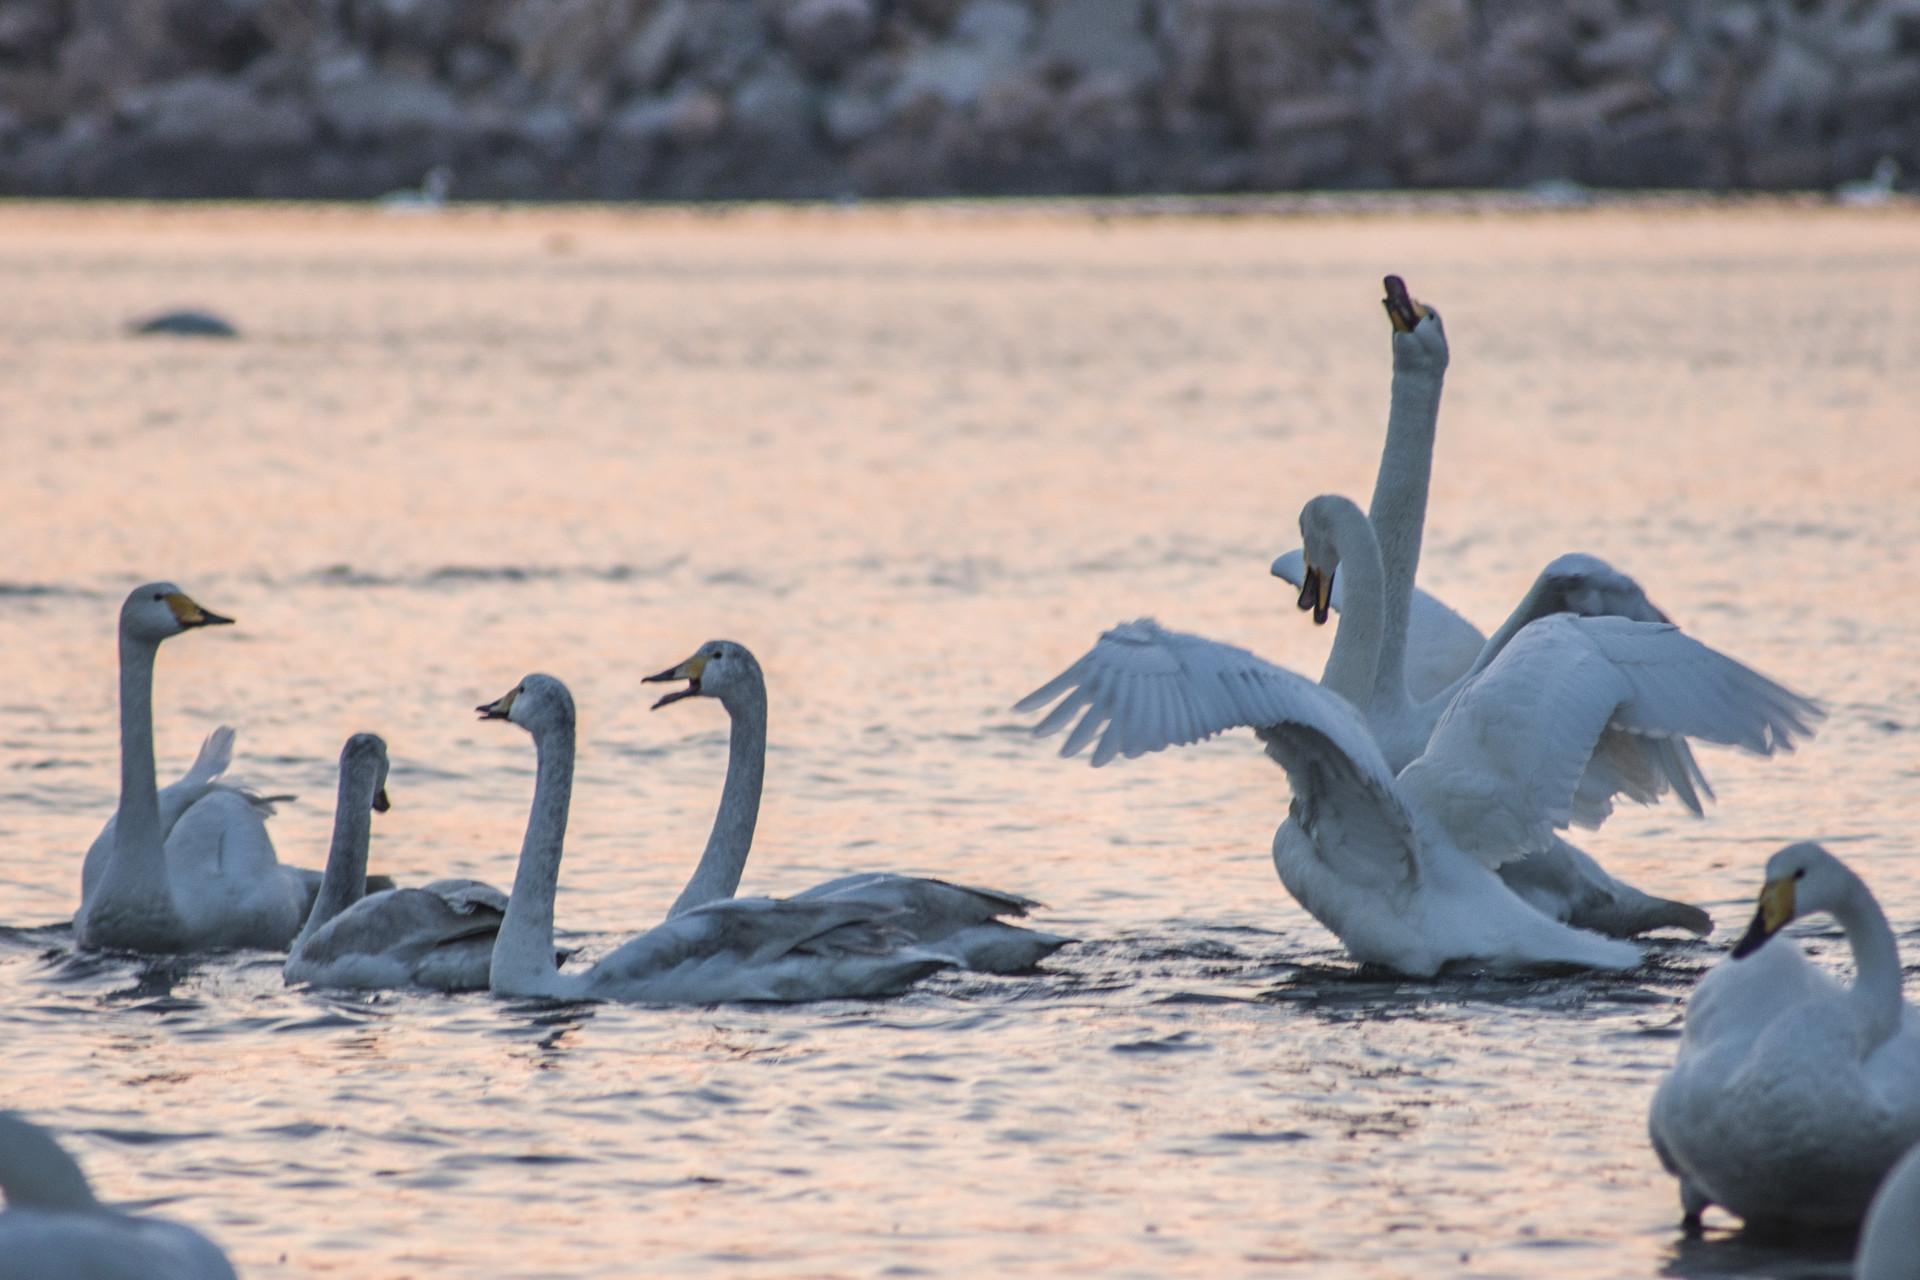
(1792, 1096)
(53, 1226)
(713, 947)
(439, 936)
(190, 869)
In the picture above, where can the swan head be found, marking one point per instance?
(364, 760)
(158, 610)
(1320, 548)
(722, 669)
(1589, 586)
(536, 704)
(1802, 880)
(1419, 340)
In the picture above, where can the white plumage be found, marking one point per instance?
(1792, 1096)
(54, 1228)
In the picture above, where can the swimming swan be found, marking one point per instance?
(1402, 868)
(439, 936)
(54, 1228)
(1890, 1238)
(724, 950)
(1792, 1096)
(960, 923)
(197, 873)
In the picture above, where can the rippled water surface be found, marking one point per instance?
(916, 460)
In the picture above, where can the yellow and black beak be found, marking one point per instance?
(190, 614)
(500, 709)
(380, 801)
(689, 671)
(1316, 593)
(1776, 909)
(1402, 311)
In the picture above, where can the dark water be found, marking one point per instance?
(916, 461)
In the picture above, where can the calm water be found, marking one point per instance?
(916, 461)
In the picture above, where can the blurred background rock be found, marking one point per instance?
(676, 99)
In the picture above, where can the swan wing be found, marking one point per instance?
(1143, 688)
(1442, 646)
(1513, 758)
(216, 754)
(962, 923)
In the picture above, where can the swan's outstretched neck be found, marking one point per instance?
(718, 874)
(523, 961)
(1355, 657)
(1399, 508)
(36, 1174)
(136, 872)
(344, 882)
(1875, 996)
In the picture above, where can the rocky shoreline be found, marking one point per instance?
(727, 99)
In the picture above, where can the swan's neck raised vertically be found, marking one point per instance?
(523, 961)
(1355, 657)
(1875, 996)
(1399, 508)
(36, 1174)
(731, 840)
(135, 885)
(344, 882)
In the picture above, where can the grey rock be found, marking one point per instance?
(691, 117)
(1633, 48)
(953, 73)
(549, 128)
(1585, 110)
(1790, 99)
(649, 57)
(826, 35)
(1106, 38)
(214, 112)
(999, 25)
(29, 26)
(472, 65)
(851, 116)
(373, 105)
(775, 104)
(722, 40)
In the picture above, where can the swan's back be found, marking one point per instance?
(963, 924)
(439, 937)
(764, 949)
(36, 1244)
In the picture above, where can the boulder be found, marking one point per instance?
(775, 105)
(649, 58)
(1100, 38)
(216, 113)
(825, 35)
(690, 117)
(367, 105)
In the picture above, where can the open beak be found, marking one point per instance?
(501, 709)
(380, 802)
(1402, 311)
(1776, 908)
(190, 614)
(1316, 593)
(689, 671)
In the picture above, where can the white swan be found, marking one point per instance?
(1401, 868)
(1792, 1096)
(439, 936)
(1890, 1238)
(724, 950)
(197, 873)
(958, 922)
(53, 1227)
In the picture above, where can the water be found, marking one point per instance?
(916, 460)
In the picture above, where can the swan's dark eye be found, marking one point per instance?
(159, 595)
(1801, 874)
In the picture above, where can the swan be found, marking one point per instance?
(54, 1229)
(960, 923)
(727, 949)
(194, 870)
(1402, 868)
(439, 936)
(1428, 652)
(1890, 1238)
(1792, 1096)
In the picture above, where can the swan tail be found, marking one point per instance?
(995, 947)
(216, 755)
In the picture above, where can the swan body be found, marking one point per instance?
(439, 937)
(962, 924)
(1890, 1238)
(208, 879)
(1792, 1096)
(1403, 867)
(722, 949)
(54, 1228)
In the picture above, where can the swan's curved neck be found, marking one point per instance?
(731, 840)
(137, 869)
(1399, 508)
(1355, 657)
(344, 882)
(36, 1173)
(1875, 995)
(523, 962)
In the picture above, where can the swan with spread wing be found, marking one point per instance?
(1404, 868)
